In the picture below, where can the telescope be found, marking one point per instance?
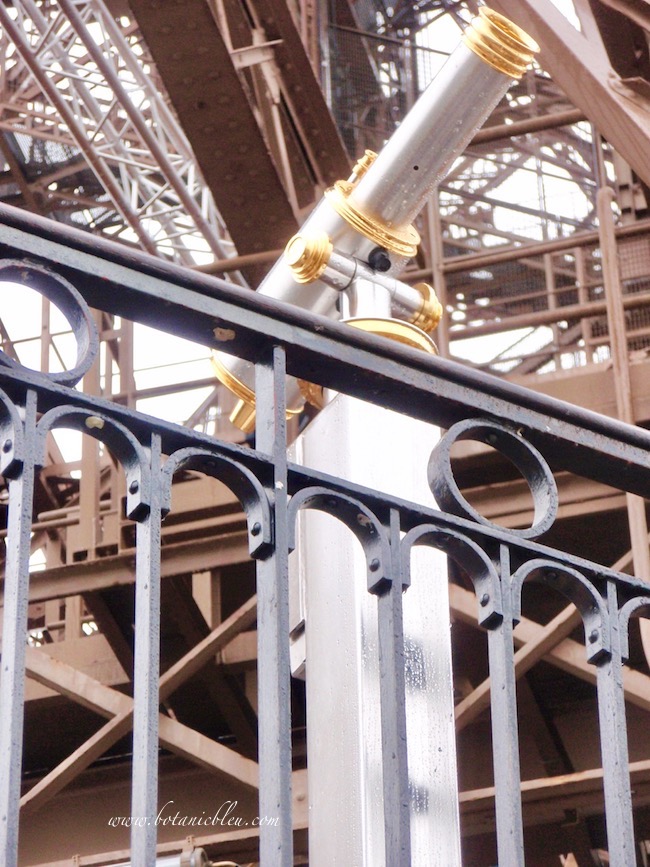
(346, 260)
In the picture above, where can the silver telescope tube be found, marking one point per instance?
(375, 207)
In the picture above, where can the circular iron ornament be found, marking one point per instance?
(530, 463)
(68, 300)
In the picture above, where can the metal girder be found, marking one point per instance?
(527, 655)
(636, 10)
(74, 77)
(119, 709)
(300, 87)
(538, 646)
(206, 91)
(568, 655)
(548, 799)
(624, 39)
(193, 556)
(621, 115)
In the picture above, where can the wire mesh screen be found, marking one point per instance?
(544, 313)
(377, 68)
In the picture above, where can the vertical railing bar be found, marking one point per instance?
(505, 734)
(397, 827)
(273, 663)
(144, 793)
(14, 639)
(613, 744)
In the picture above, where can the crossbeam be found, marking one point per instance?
(118, 708)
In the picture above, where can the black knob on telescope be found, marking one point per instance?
(379, 260)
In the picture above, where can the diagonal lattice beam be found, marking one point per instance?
(119, 708)
(587, 78)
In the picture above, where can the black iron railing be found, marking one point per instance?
(534, 432)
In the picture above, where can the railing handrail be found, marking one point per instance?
(331, 353)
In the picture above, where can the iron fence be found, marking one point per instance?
(538, 434)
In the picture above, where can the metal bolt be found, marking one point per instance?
(374, 565)
(7, 445)
(256, 529)
(485, 598)
(492, 438)
(552, 576)
(593, 636)
(134, 487)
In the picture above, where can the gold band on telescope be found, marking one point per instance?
(401, 241)
(430, 313)
(243, 415)
(225, 377)
(406, 333)
(395, 329)
(500, 43)
(308, 255)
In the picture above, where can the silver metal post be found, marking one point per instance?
(273, 665)
(144, 798)
(613, 745)
(14, 629)
(346, 786)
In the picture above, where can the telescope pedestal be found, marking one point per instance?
(386, 451)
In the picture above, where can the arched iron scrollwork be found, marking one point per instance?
(359, 519)
(467, 554)
(68, 300)
(115, 436)
(12, 438)
(633, 607)
(579, 590)
(528, 460)
(242, 482)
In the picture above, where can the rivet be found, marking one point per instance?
(134, 487)
(593, 636)
(374, 565)
(485, 598)
(256, 529)
(552, 576)
(6, 446)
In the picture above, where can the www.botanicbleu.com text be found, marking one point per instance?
(223, 816)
